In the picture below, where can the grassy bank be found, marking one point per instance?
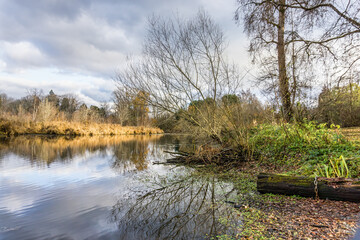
(305, 148)
(16, 127)
(298, 148)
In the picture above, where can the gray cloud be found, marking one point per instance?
(90, 37)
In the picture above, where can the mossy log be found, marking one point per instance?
(341, 189)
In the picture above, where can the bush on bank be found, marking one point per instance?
(303, 146)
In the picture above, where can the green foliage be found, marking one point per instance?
(230, 99)
(335, 168)
(53, 98)
(253, 226)
(302, 145)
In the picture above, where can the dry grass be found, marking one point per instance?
(351, 133)
(17, 127)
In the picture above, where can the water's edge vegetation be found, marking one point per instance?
(14, 128)
(300, 148)
(290, 148)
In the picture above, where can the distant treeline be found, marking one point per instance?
(337, 105)
(39, 107)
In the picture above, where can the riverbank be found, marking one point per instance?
(13, 128)
(307, 149)
(269, 216)
(295, 149)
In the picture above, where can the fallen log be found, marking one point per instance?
(184, 154)
(209, 155)
(341, 189)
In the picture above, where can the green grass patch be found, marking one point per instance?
(303, 146)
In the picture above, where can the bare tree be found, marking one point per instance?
(121, 106)
(47, 111)
(289, 36)
(4, 102)
(183, 61)
(32, 100)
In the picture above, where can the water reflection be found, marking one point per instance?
(103, 188)
(128, 152)
(184, 207)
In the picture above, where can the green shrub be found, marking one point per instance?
(302, 145)
(335, 168)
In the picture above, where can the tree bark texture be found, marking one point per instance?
(283, 79)
(340, 189)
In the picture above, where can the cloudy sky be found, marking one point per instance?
(76, 46)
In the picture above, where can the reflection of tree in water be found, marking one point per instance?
(138, 153)
(42, 151)
(38, 150)
(129, 154)
(186, 208)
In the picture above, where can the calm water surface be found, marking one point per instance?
(105, 188)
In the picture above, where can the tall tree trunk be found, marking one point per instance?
(283, 79)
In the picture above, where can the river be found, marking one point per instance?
(106, 188)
